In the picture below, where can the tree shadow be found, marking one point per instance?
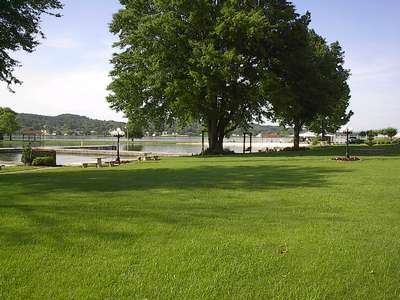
(245, 177)
(337, 150)
(80, 202)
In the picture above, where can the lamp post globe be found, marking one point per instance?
(118, 133)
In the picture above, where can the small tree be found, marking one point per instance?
(134, 131)
(8, 122)
(371, 134)
(27, 157)
(390, 132)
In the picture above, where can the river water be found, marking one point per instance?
(182, 145)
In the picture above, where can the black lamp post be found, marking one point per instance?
(118, 133)
(348, 130)
(244, 142)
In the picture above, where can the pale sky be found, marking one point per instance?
(68, 73)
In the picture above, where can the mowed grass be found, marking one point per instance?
(276, 226)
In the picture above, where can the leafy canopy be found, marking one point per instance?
(20, 30)
(195, 60)
(8, 121)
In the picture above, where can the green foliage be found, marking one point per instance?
(371, 134)
(180, 61)
(134, 130)
(44, 161)
(68, 124)
(383, 141)
(8, 121)
(19, 30)
(310, 83)
(390, 132)
(27, 155)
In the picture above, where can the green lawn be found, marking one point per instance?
(14, 169)
(279, 226)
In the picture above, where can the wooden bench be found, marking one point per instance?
(87, 165)
(147, 157)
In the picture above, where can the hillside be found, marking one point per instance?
(67, 124)
(80, 125)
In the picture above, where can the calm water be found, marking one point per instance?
(62, 159)
(187, 145)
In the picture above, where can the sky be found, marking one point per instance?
(68, 73)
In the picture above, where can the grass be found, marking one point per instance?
(282, 226)
(12, 169)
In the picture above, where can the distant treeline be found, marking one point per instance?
(70, 124)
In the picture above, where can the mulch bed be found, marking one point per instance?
(344, 158)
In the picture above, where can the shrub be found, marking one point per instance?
(27, 155)
(44, 161)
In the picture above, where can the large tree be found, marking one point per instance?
(8, 122)
(201, 60)
(337, 92)
(20, 30)
(309, 81)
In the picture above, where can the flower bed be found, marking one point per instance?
(344, 158)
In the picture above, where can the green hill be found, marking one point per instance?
(80, 125)
(67, 124)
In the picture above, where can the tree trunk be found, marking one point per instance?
(10, 137)
(297, 129)
(215, 137)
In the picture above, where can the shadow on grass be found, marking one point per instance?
(247, 177)
(69, 207)
(338, 150)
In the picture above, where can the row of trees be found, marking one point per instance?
(8, 122)
(226, 64)
(390, 132)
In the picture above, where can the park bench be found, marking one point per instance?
(148, 157)
(98, 164)
(87, 165)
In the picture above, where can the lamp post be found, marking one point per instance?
(118, 133)
(244, 142)
(347, 131)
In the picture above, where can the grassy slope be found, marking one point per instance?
(205, 228)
